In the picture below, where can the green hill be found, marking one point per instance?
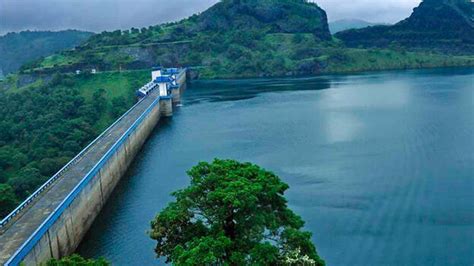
(283, 16)
(445, 26)
(238, 38)
(18, 48)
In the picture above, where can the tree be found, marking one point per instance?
(119, 106)
(99, 101)
(8, 200)
(135, 31)
(76, 260)
(298, 38)
(26, 181)
(232, 214)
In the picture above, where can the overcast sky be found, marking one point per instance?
(99, 15)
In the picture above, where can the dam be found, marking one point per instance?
(53, 220)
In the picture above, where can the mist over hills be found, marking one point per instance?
(19, 48)
(446, 26)
(346, 24)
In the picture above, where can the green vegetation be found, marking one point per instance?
(76, 260)
(44, 126)
(8, 199)
(19, 48)
(444, 26)
(232, 214)
(48, 114)
(243, 38)
(356, 60)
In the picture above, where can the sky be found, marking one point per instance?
(100, 15)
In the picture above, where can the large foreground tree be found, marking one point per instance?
(232, 214)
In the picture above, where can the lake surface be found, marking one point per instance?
(380, 165)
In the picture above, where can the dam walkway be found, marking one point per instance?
(30, 224)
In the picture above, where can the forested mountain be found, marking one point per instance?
(346, 24)
(284, 16)
(19, 48)
(441, 25)
(237, 38)
(232, 38)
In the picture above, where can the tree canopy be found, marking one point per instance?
(76, 260)
(46, 123)
(232, 214)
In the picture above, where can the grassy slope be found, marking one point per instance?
(384, 59)
(116, 85)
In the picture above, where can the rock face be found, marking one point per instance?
(278, 16)
(443, 25)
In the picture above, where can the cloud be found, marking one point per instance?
(99, 15)
(93, 15)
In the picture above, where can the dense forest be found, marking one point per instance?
(45, 125)
(19, 48)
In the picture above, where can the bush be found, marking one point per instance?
(76, 260)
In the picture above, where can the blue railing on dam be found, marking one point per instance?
(30, 243)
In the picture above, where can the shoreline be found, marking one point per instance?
(330, 73)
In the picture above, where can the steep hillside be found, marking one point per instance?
(441, 25)
(276, 16)
(237, 38)
(232, 38)
(346, 24)
(18, 48)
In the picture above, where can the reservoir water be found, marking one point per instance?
(380, 165)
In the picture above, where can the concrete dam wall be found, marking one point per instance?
(53, 222)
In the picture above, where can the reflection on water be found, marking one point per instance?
(381, 166)
(342, 127)
(244, 89)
